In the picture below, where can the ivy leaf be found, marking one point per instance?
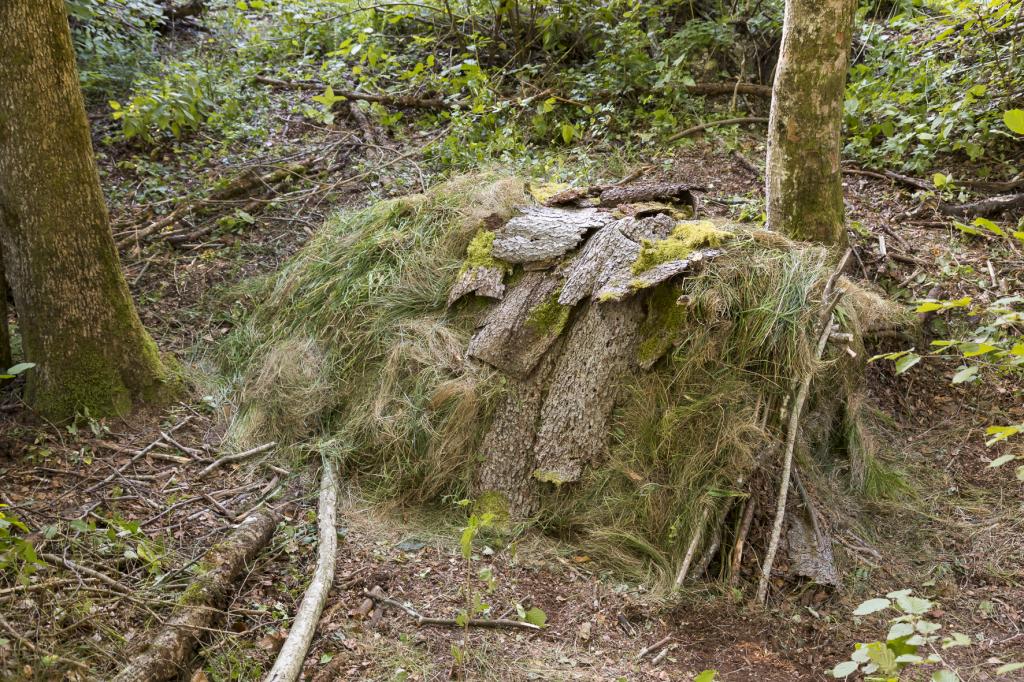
(844, 669)
(872, 606)
(966, 374)
(536, 617)
(1000, 461)
(906, 362)
(1014, 120)
(945, 675)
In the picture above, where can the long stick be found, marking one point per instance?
(234, 458)
(289, 661)
(793, 426)
(450, 622)
(711, 124)
(691, 550)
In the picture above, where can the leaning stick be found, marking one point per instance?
(234, 458)
(691, 550)
(289, 661)
(450, 622)
(712, 124)
(793, 426)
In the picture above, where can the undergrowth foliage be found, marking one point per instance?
(350, 349)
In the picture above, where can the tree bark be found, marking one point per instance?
(77, 320)
(803, 177)
(5, 332)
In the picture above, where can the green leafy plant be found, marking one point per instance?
(912, 641)
(16, 553)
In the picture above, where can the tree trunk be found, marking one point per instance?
(5, 332)
(804, 182)
(76, 317)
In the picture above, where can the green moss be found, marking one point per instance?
(549, 477)
(663, 324)
(494, 503)
(687, 236)
(478, 253)
(549, 317)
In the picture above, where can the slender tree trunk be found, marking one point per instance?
(804, 181)
(76, 317)
(5, 332)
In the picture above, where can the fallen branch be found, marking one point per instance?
(654, 647)
(168, 651)
(712, 124)
(25, 642)
(83, 570)
(983, 208)
(450, 622)
(217, 463)
(289, 661)
(825, 329)
(137, 456)
(401, 101)
(729, 89)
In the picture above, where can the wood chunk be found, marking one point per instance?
(574, 195)
(481, 280)
(658, 274)
(597, 353)
(512, 340)
(606, 262)
(507, 450)
(810, 547)
(541, 233)
(648, 191)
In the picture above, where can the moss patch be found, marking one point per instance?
(664, 322)
(494, 503)
(545, 476)
(478, 253)
(549, 317)
(687, 236)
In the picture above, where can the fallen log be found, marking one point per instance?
(166, 654)
(984, 208)
(289, 660)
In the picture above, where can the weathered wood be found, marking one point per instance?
(648, 191)
(165, 654)
(517, 331)
(507, 459)
(598, 352)
(604, 267)
(669, 269)
(541, 233)
(810, 549)
(480, 280)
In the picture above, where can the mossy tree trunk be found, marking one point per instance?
(803, 176)
(77, 320)
(5, 333)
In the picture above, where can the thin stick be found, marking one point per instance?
(737, 552)
(654, 647)
(691, 550)
(37, 650)
(712, 124)
(234, 458)
(139, 455)
(289, 661)
(450, 622)
(793, 426)
(76, 568)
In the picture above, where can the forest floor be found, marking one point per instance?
(956, 534)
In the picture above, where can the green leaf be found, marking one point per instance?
(568, 132)
(326, 658)
(966, 374)
(1014, 120)
(906, 362)
(1000, 461)
(872, 606)
(899, 631)
(940, 180)
(945, 675)
(967, 229)
(1020, 473)
(914, 605)
(20, 367)
(536, 617)
(708, 675)
(956, 639)
(844, 669)
(1009, 668)
(1001, 433)
(990, 226)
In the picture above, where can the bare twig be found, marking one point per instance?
(289, 660)
(654, 647)
(217, 463)
(37, 650)
(139, 455)
(451, 622)
(825, 328)
(712, 124)
(84, 570)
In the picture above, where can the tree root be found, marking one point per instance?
(169, 649)
(289, 660)
(450, 622)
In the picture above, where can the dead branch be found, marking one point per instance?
(730, 88)
(139, 455)
(217, 463)
(400, 101)
(984, 208)
(741, 538)
(825, 328)
(654, 647)
(289, 660)
(450, 622)
(83, 570)
(743, 120)
(168, 651)
(691, 549)
(25, 642)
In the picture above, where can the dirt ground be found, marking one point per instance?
(956, 536)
